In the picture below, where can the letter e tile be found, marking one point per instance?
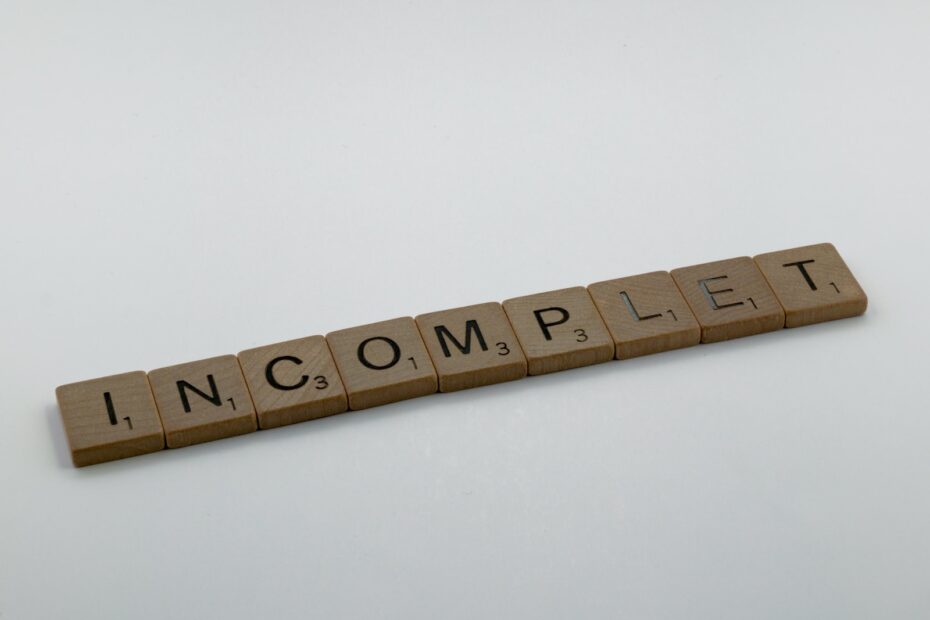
(730, 299)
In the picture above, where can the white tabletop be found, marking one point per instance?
(183, 180)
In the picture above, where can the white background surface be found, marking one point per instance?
(179, 181)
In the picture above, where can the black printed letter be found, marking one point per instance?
(807, 277)
(269, 373)
(442, 332)
(632, 308)
(214, 398)
(367, 364)
(709, 294)
(545, 326)
(111, 411)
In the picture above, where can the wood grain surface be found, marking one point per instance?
(382, 362)
(813, 284)
(645, 314)
(454, 349)
(730, 299)
(293, 381)
(559, 330)
(472, 346)
(202, 401)
(110, 418)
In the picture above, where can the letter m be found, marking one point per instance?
(442, 333)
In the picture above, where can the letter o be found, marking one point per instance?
(364, 360)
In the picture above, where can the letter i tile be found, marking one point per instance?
(110, 418)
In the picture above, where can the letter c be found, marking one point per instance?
(269, 373)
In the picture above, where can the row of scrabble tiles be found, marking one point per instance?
(360, 367)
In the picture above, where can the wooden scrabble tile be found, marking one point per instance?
(382, 362)
(472, 346)
(293, 381)
(559, 330)
(813, 284)
(730, 299)
(110, 418)
(202, 401)
(645, 314)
